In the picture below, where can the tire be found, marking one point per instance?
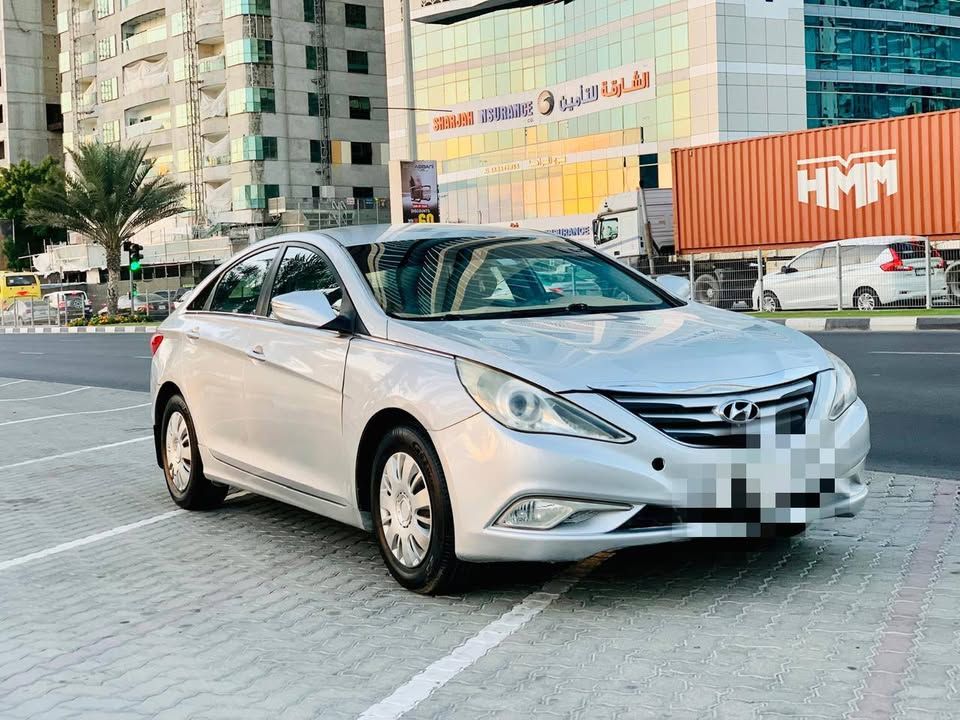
(186, 483)
(706, 290)
(770, 302)
(866, 299)
(416, 542)
(953, 282)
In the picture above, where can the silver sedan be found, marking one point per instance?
(428, 384)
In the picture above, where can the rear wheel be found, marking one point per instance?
(866, 299)
(412, 514)
(770, 302)
(953, 282)
(182, 466)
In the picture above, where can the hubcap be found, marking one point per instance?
(179, 456)
(769, 304)
(405, 510)
(865, 302)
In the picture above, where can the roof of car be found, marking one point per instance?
(878, 240)
(367, 234)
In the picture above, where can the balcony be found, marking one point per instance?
(211, 64)
(146, 37)
(85, 22)
(145, 74)
(139, 128)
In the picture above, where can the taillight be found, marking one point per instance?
(155, 343)
(941, 263)
(891, 261)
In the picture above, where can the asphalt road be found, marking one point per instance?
(910, 382)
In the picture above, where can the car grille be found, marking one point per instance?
(690, 419)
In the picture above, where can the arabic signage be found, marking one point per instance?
(600, 91)
(421, 200)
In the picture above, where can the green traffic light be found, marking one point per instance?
(134, 265)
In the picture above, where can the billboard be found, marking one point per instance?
(608, 89)
(419, 194)
(885, 177)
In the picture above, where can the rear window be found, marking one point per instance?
(908, 250)
(20, 280)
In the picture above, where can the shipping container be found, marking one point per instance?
(885, 177)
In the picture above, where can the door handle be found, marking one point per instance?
(194, 333)
(256, 353)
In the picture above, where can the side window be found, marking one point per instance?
(869, 253)
(239, 288)
(829, 258)
(850, 255)
(808, 261)
(303, 269)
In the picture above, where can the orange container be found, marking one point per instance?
(884, 177)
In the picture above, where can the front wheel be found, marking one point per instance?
(706, 290)
(412, 514)
(770, 302)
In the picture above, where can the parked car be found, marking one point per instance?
(422, 382)
(70, 303)
(29, 312)
(875, 272)
(152, 305)
(181, 296)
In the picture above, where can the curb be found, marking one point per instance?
(867, 324)
(83, 330)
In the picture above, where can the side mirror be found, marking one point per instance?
(786, 269)
(307, 308)
(675, 285)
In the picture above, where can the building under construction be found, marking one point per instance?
(271, 111)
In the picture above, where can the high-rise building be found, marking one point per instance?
(245, 101)
(537, 111)
(30, 120)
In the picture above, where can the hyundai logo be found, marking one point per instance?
(738, 412)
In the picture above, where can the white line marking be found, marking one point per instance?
(44, 397)
(13, 382)
(143, 357)
(910, 352)
(70, 414)
(406, 697)
(90, 539)
(75, 452)
(26, 352)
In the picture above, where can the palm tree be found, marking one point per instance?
(108, 198)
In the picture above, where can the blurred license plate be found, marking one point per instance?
(920, 271)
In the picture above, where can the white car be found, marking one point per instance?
(423, 383)
(874, 272)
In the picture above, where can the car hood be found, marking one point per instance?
(686, 349)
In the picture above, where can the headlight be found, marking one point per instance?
(521, 406)
(846, 392)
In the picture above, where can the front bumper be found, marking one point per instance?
(788, 479)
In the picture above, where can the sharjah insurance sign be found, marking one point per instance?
(601, 91)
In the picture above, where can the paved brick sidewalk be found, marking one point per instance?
(258, 610)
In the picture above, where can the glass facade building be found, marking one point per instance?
(869, 59)
(489, 73)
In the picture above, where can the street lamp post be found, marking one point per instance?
(408, 80)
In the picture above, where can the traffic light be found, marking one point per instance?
(136, 254)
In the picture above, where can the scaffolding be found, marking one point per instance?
(323, 95)
(191, 62)
(75, 68)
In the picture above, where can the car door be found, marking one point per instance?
(796, 285)
(294, 389)
(218, 331)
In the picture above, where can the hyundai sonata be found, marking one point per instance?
(439, 386)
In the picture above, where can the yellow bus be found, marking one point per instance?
(18, 286)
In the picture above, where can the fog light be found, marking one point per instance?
(535, 514)
(547, 513)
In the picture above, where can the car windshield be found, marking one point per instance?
(457, 278)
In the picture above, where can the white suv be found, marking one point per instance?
(875, 271)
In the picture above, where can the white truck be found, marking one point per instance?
(718, 279)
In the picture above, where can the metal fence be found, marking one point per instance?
(866, 274)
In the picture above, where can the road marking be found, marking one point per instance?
(25, 352)
(911, 352)
(406, 697)
(143, 357)
(106, 534)
(75, 452)
(13, 382)
(70, 414)
(44, 397)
